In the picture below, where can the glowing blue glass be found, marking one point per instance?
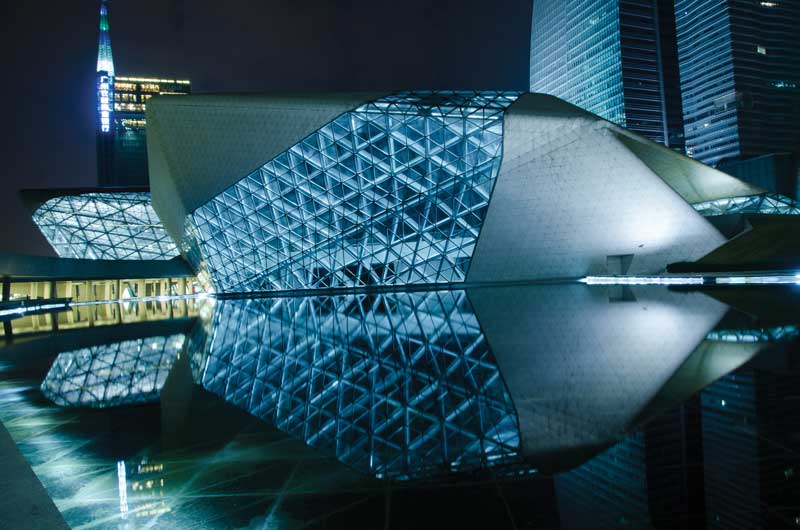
(122, 373)
(393, 192)
(119, 226)
(764, 203)
(395, 385)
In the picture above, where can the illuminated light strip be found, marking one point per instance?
(153, 80)
(787, 279)
(122, 484)
(759, 280)
(643, 280)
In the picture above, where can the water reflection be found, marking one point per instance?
(121, 373)
(643, 408)
(408, 384)
(397, 385)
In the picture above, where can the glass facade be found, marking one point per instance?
(130, 127)
(614, 58)
(576, 55)
(766, 204)
(740, 77)
(398, 385)
(393, 192)
(122, 373)
(606, 56)
(119, 226)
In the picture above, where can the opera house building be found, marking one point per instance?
(301, 191)
(392, 281)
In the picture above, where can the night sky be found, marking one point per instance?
(50, 48)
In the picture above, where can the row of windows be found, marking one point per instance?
(129, 107)
(132, 98)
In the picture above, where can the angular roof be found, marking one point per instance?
(199, 145)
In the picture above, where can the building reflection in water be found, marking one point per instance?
(103, 314)
(724, 458)
(408, 384)
(400, 385)
(109, 375)
(653, 409)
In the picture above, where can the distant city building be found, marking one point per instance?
(615, 58)
(740, 77)
(121, 126)
(130, 133)
(775, 171)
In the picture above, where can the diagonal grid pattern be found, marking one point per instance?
(401, 385)
(115, 226)
(393, 192)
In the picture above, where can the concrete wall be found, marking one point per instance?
(570, 194)
(199, 145)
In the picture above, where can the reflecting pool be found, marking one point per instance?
(527, 406)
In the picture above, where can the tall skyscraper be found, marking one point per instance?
(105, 100)
(121, 125)
(740, 77)
(611, 57)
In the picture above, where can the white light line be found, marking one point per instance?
(643, 280)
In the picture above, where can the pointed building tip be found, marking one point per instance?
(105, 60)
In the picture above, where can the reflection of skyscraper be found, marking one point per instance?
(750, 428)
(647, 480)
(121, 127)
(611, 57)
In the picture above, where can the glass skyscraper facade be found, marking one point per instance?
(612, 58)
(121, 126)
(130, 127)
(740, 77)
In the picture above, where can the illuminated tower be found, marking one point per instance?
(105, 98)
(121, 125)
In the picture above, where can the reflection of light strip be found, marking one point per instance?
(759, 280)
(23, 310)
(786, 279)
(142, 299)
(642, 280)
(122, 483)
(67, 305)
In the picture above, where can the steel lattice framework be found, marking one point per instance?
(119, 226)
(775, 334)
(123, 373)
(393, 192)
(394, 385)
(765, 204)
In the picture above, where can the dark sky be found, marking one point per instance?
(49, 51)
